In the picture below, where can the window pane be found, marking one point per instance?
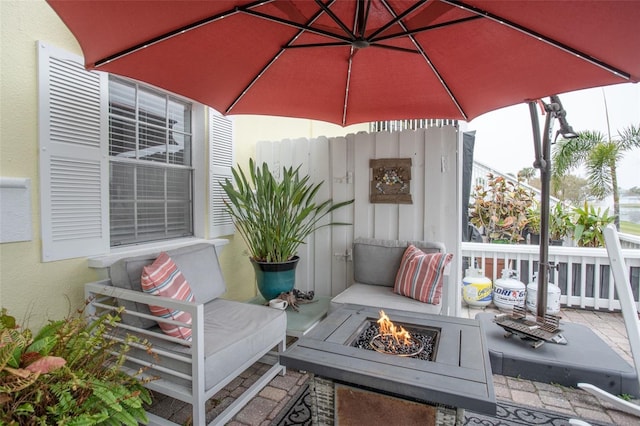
(179, 149)
(179, 116)
(122, 99)
(122, 138)
(153, 143)
(152, 108)
(122, 203)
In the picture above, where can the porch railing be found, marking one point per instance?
(583, 274)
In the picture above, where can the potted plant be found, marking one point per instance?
(68, 373)
(274, 216)
(589, 225)
(560, 224)
(500, 209)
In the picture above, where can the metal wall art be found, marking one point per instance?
(390, 181)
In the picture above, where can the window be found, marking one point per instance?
(150, 172)
(122, 163)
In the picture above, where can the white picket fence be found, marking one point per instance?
(583, 274)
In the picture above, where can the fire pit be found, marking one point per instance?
(444, 365)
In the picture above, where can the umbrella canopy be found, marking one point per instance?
(348, 61)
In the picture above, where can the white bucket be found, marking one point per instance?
(476, 288)
(508, 291)
(553, 298)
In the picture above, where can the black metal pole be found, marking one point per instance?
(543, 162)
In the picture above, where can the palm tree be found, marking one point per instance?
(600, 156)
(527, 173)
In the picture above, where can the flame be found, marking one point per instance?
(389, 328)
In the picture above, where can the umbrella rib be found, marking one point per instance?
(336, 44)
(408, 32)
(275, 58)
(397, 18)
(335, 19)
(431, 65)
(303, 27)
(399, 49)
(541, 37)
(346, 89)
(362, 16)
(171, 34)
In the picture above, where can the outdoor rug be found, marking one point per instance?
(298, 412)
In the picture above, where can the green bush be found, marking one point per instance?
(589, 224)
(69, 373)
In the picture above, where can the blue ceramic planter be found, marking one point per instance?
(275, 278)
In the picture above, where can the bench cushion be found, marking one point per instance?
(381, 297)
(233, 333)
(376, 261)
(198, 262)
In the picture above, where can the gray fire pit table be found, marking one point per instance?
(344, 377)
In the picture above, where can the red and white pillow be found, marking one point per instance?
(163, 278)
(420, 275)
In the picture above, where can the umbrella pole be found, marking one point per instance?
(542, 162)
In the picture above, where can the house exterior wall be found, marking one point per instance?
(33, 291)
(36, 291)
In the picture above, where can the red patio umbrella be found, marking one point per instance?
(348, 61)
(353, 61)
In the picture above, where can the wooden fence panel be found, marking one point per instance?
(343, 164)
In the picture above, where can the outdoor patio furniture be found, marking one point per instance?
(375, 265)
(227, 336)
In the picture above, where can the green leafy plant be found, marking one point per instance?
(500, 209)
(533, 219)
(560, 224)
(68, 373)
(589, 225)
(274, 216)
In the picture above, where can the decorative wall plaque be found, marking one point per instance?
(390, 181)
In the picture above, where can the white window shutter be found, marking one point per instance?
(220, 164)
(74, 167)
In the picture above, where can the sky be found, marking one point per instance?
(511, 127)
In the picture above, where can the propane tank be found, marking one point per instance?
(553, 297)
(476, 288)
(508, 291)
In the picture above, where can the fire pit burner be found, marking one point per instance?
(386, 344)
(423, 347)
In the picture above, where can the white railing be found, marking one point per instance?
(412, 124)
(583, 274)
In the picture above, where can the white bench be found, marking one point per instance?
(227, 336)
(375, 264)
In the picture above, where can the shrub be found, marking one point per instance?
(500, 209)
(589, 224)
(68, 373)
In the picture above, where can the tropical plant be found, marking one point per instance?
(560, 224)
(589, 224)
(533, 219)
(527, 173)
(500, 208)
(600, 155)
(68, 373)
(274, 216)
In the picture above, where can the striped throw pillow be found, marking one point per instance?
(163, 278)
(420, 275)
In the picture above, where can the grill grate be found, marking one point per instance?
(543, 329)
